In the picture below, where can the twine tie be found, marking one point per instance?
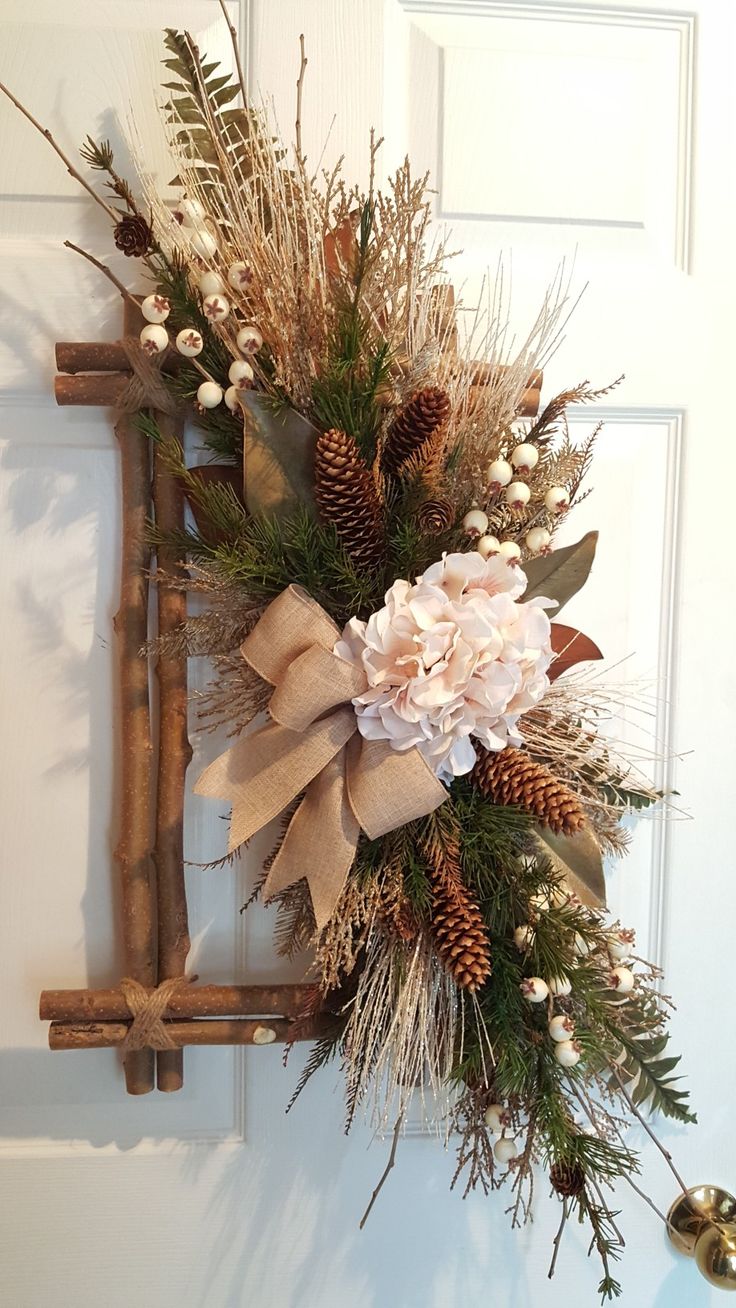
(147, 1007)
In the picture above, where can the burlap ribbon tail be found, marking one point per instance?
(312, 745)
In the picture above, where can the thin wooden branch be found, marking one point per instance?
(101, 267)
(558, 1240)
(299, 91)
(133, 850)
(386, 1170)
(190, 1001)
(236, 52)
(111, 213)
(217, 1031)
(174, 754)
(643, 1121)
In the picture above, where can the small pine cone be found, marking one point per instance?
(347, 497)
(510, 776)
(133, 235)
(568, 1180)
(413, 427)
(435, 516)
(460, 935)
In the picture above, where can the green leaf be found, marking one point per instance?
(561, 574)
(625, 798)
(579, 858)
(279, 458)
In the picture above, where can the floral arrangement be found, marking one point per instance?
(375, 539)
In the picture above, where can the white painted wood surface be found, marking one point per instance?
(550, 129)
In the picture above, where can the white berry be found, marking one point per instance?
(504, 1150)
(518, 494)
(499, 474)
(190, 212)
(154, 339)
(231, 398)
(249, 340)
(540, 901)
(203, 243)
(209, 395)
(559, 986)
(510, 551)
(155, 308)
(561, 1027)
(189, 342)
(622, 980)
(486, 546)
(556, 499)
(496, 1117)
(239, 276)
(525, 456)
(537, 539)
(567, 1053)
(475, 523)
(621, 944)
(240, 373)
(216, 307)
(524, 936)
(534, 989)
(211, 283)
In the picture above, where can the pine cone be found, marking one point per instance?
(347, 497)
(568, 1180)
(510, 776)
(435, 516)
(413, 427)
(460, 935)
(133, 235)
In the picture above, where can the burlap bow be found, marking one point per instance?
(312, 745)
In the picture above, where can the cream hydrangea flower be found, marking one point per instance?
(451, 659)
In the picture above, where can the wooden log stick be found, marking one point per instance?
(216, 1031)
(91, 356)
(98, 388)
(133, 850)
(174, 755)
(190, 1001)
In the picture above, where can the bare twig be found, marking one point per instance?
(558, 1240)
(386, 1170)
(299, 90)
(111, 213)
(126, 294)
(236, 51)
(640, 1118)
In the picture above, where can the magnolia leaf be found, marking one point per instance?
(561, 574)
(570, 647)
(278, 458)
(579, 859)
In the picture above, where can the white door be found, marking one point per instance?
(551, 129)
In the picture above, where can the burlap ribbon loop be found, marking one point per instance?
(312, 745)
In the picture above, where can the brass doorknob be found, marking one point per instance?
(702, 1224)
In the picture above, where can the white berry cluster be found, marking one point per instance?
(568, 1051)
(216, 307)
(507, 483)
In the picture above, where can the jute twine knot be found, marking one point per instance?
(145, 390)
(148, 1029)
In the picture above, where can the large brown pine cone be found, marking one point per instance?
(567, 1180)
(510, 776)
(346, 496)
(457, 925)
(133, 235)
(414, 426)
